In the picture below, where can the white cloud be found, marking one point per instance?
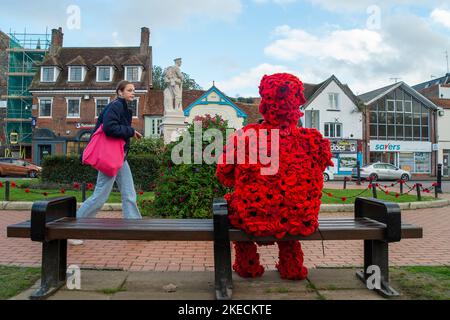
(247, 82)
(406, 47)
(352, 46)
(441, 16)
(280, 2)
(362, 5)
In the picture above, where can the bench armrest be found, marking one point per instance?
(44, 212)
(382, 211)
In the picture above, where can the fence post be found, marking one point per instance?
(345, 183)
(358, 169)
(439, 179)
(436, 193)
(374, 190)
(83, 192)
(7, 195)
(419, 196)
(401, 186)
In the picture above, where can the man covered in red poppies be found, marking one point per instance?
(286, 201)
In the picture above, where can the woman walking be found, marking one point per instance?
(116, 119)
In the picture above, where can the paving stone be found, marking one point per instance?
(93, 280)
(331, 279)
(350, 295)
(79, 295)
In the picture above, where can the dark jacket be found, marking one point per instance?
(116, 119)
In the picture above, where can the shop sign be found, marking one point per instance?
(400, 146)
(343, 146)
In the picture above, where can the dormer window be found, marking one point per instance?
(133, 73)
(77, 74)
(49, 74)
(104, 74)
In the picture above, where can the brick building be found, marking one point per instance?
(73, 85)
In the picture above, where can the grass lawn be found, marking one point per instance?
(422, 283)
(14, 280)
(352, 193)
(37, 195)
(17, 194)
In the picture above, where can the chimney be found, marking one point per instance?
(57, 41)
(145, 41)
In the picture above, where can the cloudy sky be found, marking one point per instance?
(365, 43)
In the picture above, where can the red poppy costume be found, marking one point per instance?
(287, 201)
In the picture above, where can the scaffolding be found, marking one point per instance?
(25, 52)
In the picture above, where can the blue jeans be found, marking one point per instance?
(103, 189)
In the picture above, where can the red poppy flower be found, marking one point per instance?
(63, 191)
(27, 190)
(76, 185)
(45, 194)
(13, 184)
(90, 186)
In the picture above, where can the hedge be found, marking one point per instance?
(69, 169)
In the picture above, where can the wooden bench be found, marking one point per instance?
(52, 222)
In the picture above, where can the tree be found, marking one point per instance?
(159, 84)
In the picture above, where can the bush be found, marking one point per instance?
(187, 190)
(69, 169)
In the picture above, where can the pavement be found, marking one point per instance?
(322, 284)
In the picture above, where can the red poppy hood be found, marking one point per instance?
(282, 96)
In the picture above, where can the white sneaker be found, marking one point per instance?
(75, 242)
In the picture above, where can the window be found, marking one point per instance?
(133, 74)
(423, 162)
(45, 107)
(154, 126)
(76, 74)
(334, 101)
(312, 119)
(133, 106)
(394, 118)
(406, 161)
(100, 105)
(73, 108)
(48, 74)
(2, 104)
(333, 130)
(104, 74)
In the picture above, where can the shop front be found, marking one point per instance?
(346, 154)
(412, 156)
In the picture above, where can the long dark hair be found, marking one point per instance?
(121, 86)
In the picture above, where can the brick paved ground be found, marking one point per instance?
(433, 249)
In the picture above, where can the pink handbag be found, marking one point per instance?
(106, 154)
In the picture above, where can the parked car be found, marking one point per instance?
(18, 168)
(382, 171)
(328, 175)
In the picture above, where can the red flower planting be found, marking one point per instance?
(288, 201)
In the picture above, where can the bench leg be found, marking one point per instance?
(222, 259)
(54, 268)
(376, 253)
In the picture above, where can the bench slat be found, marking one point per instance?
(198, 230)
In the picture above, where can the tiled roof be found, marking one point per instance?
(105, 61)
(92, 57)
(442, 80)
(78, 61)
(443, 103)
